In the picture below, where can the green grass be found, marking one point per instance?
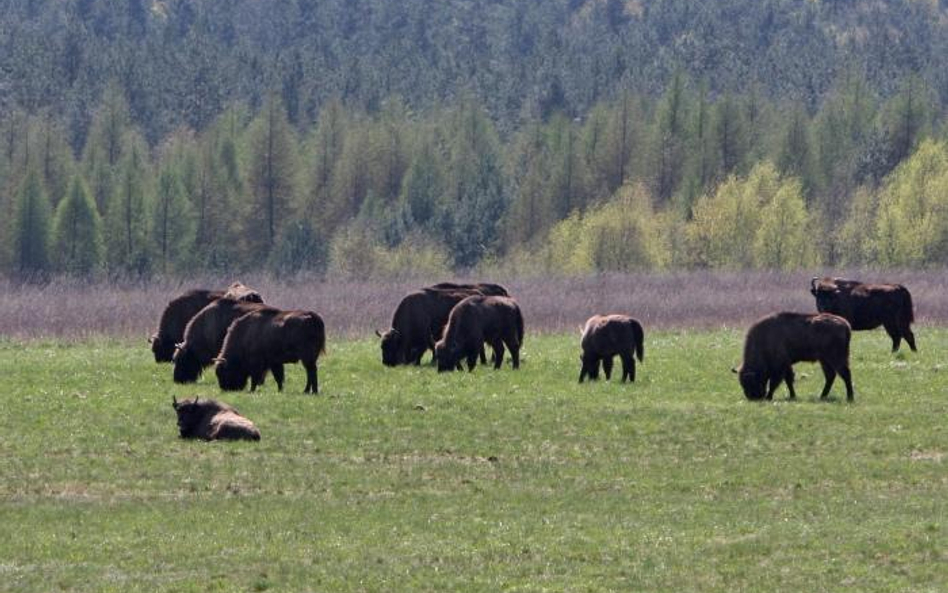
(404, 479)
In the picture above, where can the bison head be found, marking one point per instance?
(187, 367)
(590, 367)
(447, 356)
(238, 292)
(162, 348)
(231, 376)
(391, 347)
(754, 383)
(827, 295)
(189, 416)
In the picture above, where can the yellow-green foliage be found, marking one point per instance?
(856, 238)
(912, 223)
(622, 235)
(760, 221)
(356, 252)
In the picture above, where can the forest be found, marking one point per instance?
(371, 138)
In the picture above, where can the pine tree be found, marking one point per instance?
(271, 178)
(128, 212)
(31, 228)
(77, 236)
(172, 223)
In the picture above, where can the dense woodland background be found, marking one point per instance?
(378, 138)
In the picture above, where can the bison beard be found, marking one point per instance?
(474, 321)
(210, 420)
(420, 318)
(607, 336)
(265, 340)
(776, 342)
(867, 306)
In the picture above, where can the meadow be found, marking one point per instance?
(406, 479)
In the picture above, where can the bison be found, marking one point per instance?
(867, 306)
(606, 336)
(475, 320)
(210, 420)
(266, 339)
(420, 318)
(774, 343)
(204, 336)
(181, 309)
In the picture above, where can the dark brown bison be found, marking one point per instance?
(210, 420)
(606, 336)
(266, 339)
(478, 320)
(204, 336)
(181, 309)
(867, 306)
(420, 318)
(776, 342)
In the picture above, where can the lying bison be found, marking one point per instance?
(420, 318)
(606, 336)
(267, 339)
(181, 309)
(777, 341)
(204, 336)
(210, 420)
(867, 306)
(475, 320)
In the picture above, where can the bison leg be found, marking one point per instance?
(278, 375)
(312, 379)
(830, 375)
(607, 367)
(848, 380)
(483, 355)
(498, 355)
(909, 337)
(775, 381)
(471, 361)
(896, 335)
(789, 377)
(628, 366)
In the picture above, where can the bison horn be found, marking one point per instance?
(735, 370)
(174, 402)
(813, 282)
(378, 333)
(179, 346)
(218, 359)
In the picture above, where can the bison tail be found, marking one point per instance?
(909, 312)
(519, 327)
(320, 330)
(639, 342)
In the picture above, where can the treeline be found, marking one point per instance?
(181, 63)
(684, 180)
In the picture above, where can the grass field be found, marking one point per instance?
(403, 479)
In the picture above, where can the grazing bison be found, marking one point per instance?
(777, 341)
(420, 317)
(266, 339)
(475, 320)
(606, 336)
(181, 309)
(210, 420)
(204, 336)
(867, 306)
(174, 319)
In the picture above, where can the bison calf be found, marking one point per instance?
(204, 336)
(777, 341)
(265, 340)
(210, 420)
(606, 336)
(867, 306)
(475, 320)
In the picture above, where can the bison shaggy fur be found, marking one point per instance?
(774, 343)
(266, 339)
(420, 318)
(606, 336)
(204, 336)
(867, 306)
(475, 320)
(182, 308)
(211, 420)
